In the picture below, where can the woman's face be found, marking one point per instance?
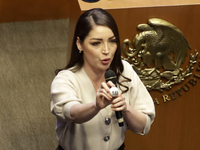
(98, 48)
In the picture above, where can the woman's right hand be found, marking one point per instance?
(103, 97)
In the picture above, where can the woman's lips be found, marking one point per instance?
(105, 61)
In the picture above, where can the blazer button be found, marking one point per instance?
(107, 121)
(106, 138)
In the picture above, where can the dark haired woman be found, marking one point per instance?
(81, 99)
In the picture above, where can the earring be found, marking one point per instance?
(80, 51)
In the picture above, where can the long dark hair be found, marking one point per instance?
(84, 25)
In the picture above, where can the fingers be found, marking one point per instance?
(104, 97)
(104, 93)
(104, 89)
(107, 85)
(119, 104)
(110, 84)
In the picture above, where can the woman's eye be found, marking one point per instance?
(95, 43)
(113, 41)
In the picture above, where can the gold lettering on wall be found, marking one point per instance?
(166, 98)
(156, 101)
(180, 91)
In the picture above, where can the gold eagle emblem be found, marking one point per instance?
(159, 51)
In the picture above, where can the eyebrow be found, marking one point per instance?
(102, 39)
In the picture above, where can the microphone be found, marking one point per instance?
(110, 76)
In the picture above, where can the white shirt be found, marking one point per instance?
(71, 88)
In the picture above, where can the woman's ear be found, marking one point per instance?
(78, 44)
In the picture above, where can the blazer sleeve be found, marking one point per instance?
(140, 98)
(64, 91)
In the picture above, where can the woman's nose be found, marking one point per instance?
(105, 49)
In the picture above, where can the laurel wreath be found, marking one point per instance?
(158, 84)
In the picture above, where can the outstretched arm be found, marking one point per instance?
(84, 112)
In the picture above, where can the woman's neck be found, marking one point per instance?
(96, 77)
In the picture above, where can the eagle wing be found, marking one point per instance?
(172, 40)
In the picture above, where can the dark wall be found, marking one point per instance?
(31, 10)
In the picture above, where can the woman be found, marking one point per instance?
(81, 101)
